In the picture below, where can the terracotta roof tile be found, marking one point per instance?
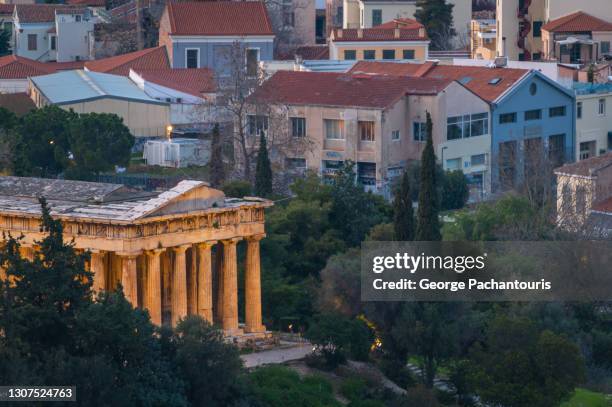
(578, 21)
(401, 23)
(40, 13)
(219, 18)
(476, 79)
(7, 8)
(588, 167)
(14, 67)
(150, 58)
(379, 34)
(339, 89)
(194, 81)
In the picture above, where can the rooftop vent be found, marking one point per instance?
(465, 80)
(495, 81)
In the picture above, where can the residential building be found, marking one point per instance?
(578, 38)
(584, 196)
(397, 39)
(370, 13)
(217, 35)
(527, 111)
(519, 23)
(602, 72)
(93, 92)
(15, 71)
(163, 248)
(482, 39)
(593, 119)
(177, 152)
(46, 32)
(376, 121)
(333, 15)
(293, 22)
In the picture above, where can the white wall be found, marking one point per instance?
(592, 126)
(42, 40)
(73, 37)
(13, 85)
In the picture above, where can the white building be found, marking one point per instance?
(593, 119)
(177, 152)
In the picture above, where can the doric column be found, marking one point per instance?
(129, 277)
(230, 287)
(252, 286)
(153, 294)
(179, 285)
(205, 293)
(218, 271)
(98, 268)
(192, 283)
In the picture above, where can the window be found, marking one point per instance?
(298, 127)
(601, 109)
(334, 129)
(252, 61)
(605, 47)
(376, 17)
(366, 131)
(77, 18)
(257, 124)
(474, 125)
(478, 159)
(350, 54)
(419, 131)
(580, 200)
(366, 173)
(395, 135)
(507, 118)
(536, 56)
(408, 54)
(558, 111)
(295, 163)
(288, 14)
(533, 114)
(556, 150)
(537, 29)
(53, 42)
(610, 141)
(192, 56)
(587, 149)
(32, 46)
(388, 54)
(339, 15)
(369, 54)
(453, 164)
(579, 110)
(533, 89)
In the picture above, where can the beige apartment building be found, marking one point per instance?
(483, 39)
(376, 121)
(519, 23)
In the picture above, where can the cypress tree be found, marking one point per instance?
(263, 170)
(217, 171)
(403, 217)
(428, 224)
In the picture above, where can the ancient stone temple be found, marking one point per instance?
(174, 253)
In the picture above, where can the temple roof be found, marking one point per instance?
(112, 203)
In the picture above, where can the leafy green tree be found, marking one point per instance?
(98, 142)
(209, 365)
(263, 170)
(455, 190)
(403, 215)
(217, 170)
(41, 142)
(437, 17)
(522, 366)
(5, 42)
(8, 121)
(428, 223)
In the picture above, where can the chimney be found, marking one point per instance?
(339, 32)
(396, 32)
(422, 32)
(359, 33)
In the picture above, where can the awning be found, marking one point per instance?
(574, 40)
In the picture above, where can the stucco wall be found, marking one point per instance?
(42, 40)
(593, 126)
(337, 50)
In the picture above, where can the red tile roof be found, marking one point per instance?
(18, 103)
(7, 8)
(14, 67)
(149, 58)
(194, 81)
(401, 23)
(379, 34)
(40, 13)
(219, 18)
(339, 89)
(65, 66)
(588, 167)
(578, 21)
(476, 79)
(604, 206)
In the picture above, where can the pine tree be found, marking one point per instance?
(403, 217)
(428, 224)
(437, 17)
(263, 171)
(217, 171)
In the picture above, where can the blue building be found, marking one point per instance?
(533, 129)
(217, 34)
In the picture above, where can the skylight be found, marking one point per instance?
(495, 81)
